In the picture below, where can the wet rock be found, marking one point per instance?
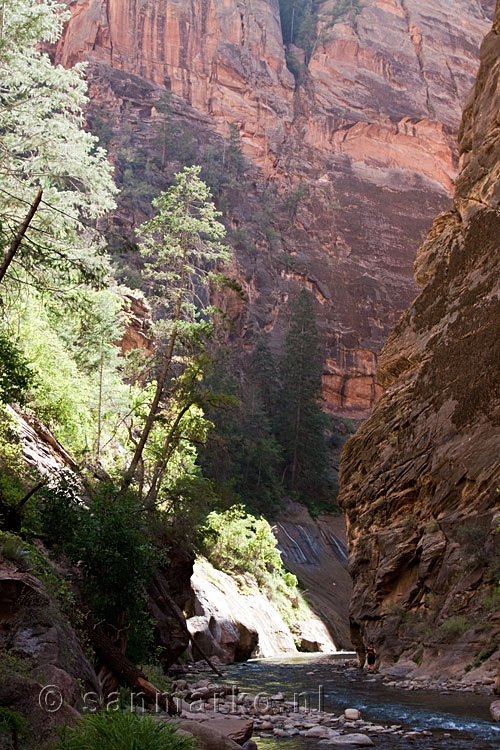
(495, 710)
(361, 740)
(352, 714)
(316, 732)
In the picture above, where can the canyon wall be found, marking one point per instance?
(345, 167)
(420, 480)
(315, 550)
(234, 622)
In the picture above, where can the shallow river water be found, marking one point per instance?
(464, 717)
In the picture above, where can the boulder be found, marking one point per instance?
(316, 732)
(212, 735)
(352, 739)
(352, 714)
(495, 710)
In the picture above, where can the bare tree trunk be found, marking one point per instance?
(182, 620)
(14, 245)
(129, 474)
(99, 409)
(166, 453)
(126, 671)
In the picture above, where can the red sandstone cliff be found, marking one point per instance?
(370, 133)
(420, 479)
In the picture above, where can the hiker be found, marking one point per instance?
(371, 657)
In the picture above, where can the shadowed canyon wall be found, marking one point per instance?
(420, 479)
(360, 153)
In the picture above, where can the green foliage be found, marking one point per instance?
(12, 666)
(236, 160)
(242, 545)
(62, 396)
(44, 146)
(301, 422)
(242, 451)
(109, 542)
(489, 648)
(293, 198)
(13, 470)
(473, 537)
(453, 628)
(298, 23)
(345, 10)
(12, 723)
(491, 600)
(122, 731)
(16, 374)
(12, 548)
(273, 437)
(182, 243)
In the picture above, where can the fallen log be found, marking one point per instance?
(126, 671)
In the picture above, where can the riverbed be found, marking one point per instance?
(459, 721)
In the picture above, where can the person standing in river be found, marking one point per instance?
(371, 658)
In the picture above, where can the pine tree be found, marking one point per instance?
(182, 245)
(301, 421)
(44, 147)
(263, 373)
(236, 160)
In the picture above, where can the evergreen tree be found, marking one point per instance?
(298, 23)
(166, 131)
(263, 374)
(242, 450)
(301, 421)
(236, 160)
(44, 147)
(182, 246)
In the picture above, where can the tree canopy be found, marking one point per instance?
(43, 145)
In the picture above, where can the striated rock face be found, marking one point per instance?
(33, 629)
(420, 479)
(233, 626)
(362, 151)
(315, 550)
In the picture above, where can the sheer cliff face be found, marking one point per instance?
(370, 132)
(420, 479)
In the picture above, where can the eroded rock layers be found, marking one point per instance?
(361, 151)
(420, 479)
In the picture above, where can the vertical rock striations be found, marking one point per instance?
(420, 480)
(361, 150)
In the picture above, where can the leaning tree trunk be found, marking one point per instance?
(14, 245)
(126, 671)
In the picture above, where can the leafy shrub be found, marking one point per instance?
(453, 628)
(16, 374)
(12, 548)
(491, 601)
(122, 731)
(239, 542)
(242, 545)
(12, 723)
(488, 650)
(473, 538)
(12, 666)
(108, 540)
(345, 10)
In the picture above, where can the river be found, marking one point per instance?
(458, 721)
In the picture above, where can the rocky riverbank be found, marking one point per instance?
(222, 708)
